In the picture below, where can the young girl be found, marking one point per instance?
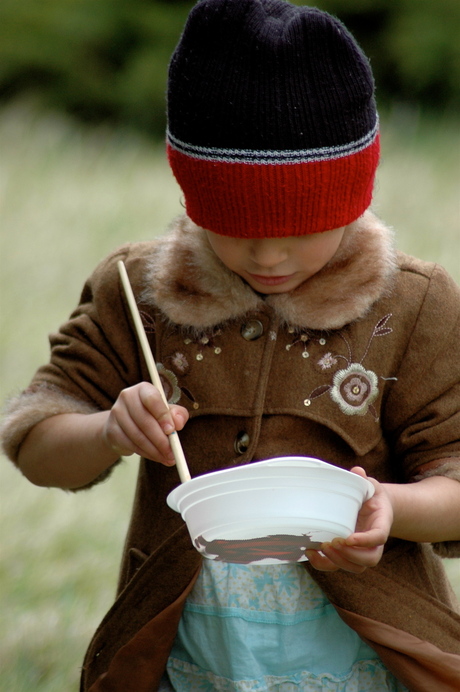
(283, 322)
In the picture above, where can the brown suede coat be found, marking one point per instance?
(359, 365)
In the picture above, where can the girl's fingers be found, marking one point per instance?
(152, 401)
(359, 471)
(337, 555)
(333, 560)
(152, 446)
(363, 548)
(347, 556)
(133, 428)
(373, 538)
(180, 416)
(320, 561)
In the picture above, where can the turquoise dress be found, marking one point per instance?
(268, 628)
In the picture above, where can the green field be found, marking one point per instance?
(69, 196)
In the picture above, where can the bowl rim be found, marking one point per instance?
(277, 463)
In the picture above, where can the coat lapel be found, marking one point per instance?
(192, 287)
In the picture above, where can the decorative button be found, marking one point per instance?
(305, 354)
(199, 356)
(322, 342)
(218, 350)
(307, 402)
(241, 443)
(252, 330)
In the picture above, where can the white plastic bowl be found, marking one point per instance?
(270, 511)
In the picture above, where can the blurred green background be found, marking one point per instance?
(82, 170)
(106, 59)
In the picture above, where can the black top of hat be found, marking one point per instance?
(265, 74)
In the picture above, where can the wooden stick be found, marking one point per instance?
(176, 446)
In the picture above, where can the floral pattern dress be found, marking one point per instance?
(268, 628)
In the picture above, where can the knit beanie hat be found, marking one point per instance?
(272, 123)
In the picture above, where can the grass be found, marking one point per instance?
(68, 196)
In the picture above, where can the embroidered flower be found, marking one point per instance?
(327, 361)
(301, 338)
(180, 363)
(169, 382)
(204, 341)
(354, 389)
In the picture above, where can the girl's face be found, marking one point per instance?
(276, 265)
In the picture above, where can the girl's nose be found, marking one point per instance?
(267, 252)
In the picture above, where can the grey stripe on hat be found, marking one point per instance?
(273, 157)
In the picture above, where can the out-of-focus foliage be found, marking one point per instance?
(107, 59)
(97, 59)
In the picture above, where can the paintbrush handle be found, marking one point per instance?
(176, 446)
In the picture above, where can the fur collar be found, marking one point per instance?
(192, 287)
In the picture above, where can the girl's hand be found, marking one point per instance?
(363, 548)
(139, 423)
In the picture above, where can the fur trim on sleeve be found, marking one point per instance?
(451, 469)
(33, 406)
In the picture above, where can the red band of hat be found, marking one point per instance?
(262, 200)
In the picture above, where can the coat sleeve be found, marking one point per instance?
(423, 409)
(94, 355)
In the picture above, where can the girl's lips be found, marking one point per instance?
(270, 280)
